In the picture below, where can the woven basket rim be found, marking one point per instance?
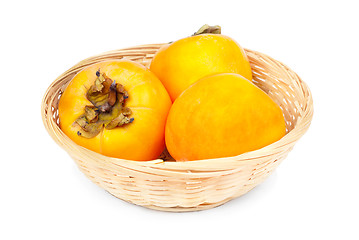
(182, 168)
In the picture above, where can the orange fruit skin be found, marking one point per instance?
(143, 139)
(222, 115)
(181, 63)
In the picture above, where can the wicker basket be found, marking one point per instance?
(196, 185)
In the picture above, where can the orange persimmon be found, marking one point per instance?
(183, 62)
(116, 108)
(222, 115)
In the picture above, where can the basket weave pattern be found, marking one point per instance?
(196, 185)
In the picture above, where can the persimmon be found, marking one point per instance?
(181, 63)
(116, 108)
(222, 115)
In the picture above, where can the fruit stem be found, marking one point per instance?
(108, 109)
(208, 29)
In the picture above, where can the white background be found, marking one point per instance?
(313, 194)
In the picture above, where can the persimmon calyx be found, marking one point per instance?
(108, 109)
(208, 29)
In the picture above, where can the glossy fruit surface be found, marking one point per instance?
(140, 138)
(183, 62)
(222, 115)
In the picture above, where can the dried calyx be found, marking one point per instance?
(108, 109)
(208, 29)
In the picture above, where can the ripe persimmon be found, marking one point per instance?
(181, 63)
(222, 115)
(116, 108)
